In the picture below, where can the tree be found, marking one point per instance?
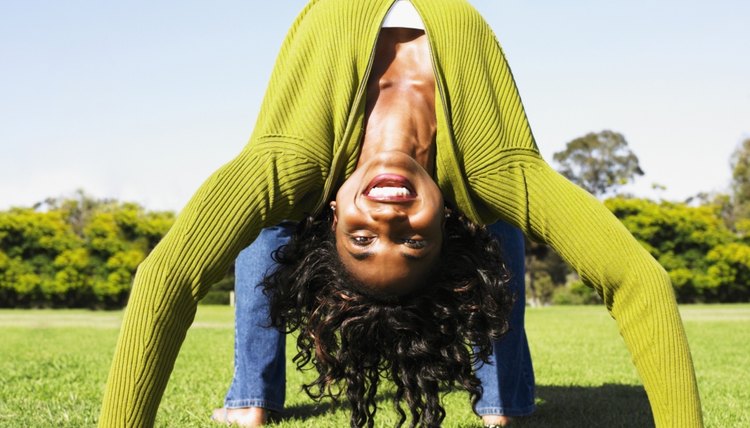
(545, 271)
(599, 162)
(77, 209)
(740, 164)
(31, 243)
(75, 252)
(730, 271)
(705, 260)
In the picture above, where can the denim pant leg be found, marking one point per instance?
(259, 359)
(508, 380)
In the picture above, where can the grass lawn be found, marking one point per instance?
(53, 365)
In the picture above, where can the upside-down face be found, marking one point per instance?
(388, 219)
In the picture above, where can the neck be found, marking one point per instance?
(400, 111)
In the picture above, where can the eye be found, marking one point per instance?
(361, 240)
(414, 243)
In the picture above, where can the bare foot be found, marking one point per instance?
(248, 417)
(496, 420)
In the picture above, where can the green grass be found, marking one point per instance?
(53, 365)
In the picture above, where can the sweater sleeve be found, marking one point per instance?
(255, 189)
(636, 290)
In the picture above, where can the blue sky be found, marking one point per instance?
(142, 100)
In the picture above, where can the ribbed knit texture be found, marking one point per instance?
(306, 141)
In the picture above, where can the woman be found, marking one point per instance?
(306, 147)
(258, 382)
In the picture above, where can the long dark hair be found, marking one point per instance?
(425, 341)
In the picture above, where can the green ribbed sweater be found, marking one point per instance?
(306, 142)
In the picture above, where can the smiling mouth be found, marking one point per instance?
(390, 188)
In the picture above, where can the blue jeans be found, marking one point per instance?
(259, 352)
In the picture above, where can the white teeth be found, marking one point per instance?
(388, 192)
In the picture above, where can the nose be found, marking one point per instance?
(387, 212)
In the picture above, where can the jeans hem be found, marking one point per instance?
(507, 411)
(250, 402)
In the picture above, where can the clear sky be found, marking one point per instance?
(142, 100)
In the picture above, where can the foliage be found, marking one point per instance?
(730, 272)
(705, 248)
(706, 261)
(220, 291)
(545, 272)
(216, 297)
(599, 162)
(740, 164)
(75, 252)
(83, 252)
(575, 293)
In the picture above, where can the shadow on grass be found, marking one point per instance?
(304, 411)
(609, 405)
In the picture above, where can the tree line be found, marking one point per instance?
(80, 251)
(702, 242)
(75, 252)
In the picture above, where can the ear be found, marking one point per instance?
(335, 218)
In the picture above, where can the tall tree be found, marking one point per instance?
(599, 162)
(77, 209)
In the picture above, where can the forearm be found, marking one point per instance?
(153, 329)
(649, 322)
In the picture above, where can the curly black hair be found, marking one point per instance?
(425, 341)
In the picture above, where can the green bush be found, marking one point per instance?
(225, 284)
(576, 293)
(706, 261)
(77, 252)
(83, 252)
(216, 297)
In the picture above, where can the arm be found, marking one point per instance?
(279, 175)
(635, 288)
(255, 189)
(495, 149)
